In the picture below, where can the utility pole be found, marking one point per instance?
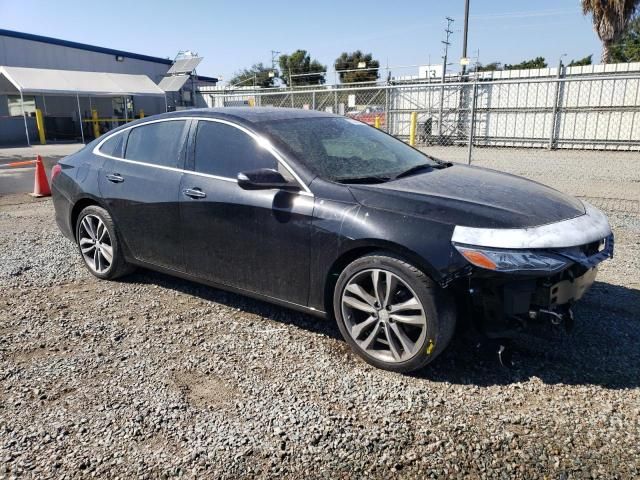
(466, 31)
(274, 57)
(446, 43)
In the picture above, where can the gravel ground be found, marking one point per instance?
(157, 377)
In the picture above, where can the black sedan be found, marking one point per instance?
(328, 215)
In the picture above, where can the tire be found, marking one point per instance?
(426, 329)
(91, 223)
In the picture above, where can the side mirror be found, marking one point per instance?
(265, 179)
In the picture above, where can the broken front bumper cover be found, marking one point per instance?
(569, 290)
(519, 277)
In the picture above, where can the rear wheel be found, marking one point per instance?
(392, 314)
(98, 244)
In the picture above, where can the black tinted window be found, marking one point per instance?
(158, 143)
(226, 151)
(113, 146)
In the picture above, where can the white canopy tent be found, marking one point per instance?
(67, 82)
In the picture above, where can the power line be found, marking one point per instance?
(525, 14)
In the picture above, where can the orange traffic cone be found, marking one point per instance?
(41, 185)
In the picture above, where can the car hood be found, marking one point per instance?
(471, 196)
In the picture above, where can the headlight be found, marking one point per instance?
(513, 260)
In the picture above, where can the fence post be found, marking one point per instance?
(335, 99)
(472, 123)
(313, 100)
(94, 121)
(40, 125)
(412, 128)
(80, 117)
(441, 107)
(554, 113)
(387, 118)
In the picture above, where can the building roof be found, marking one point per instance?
(66, 82)
(93, 48)
(83, 46)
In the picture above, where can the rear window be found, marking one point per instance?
(114, 146)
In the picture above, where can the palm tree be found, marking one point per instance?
(610, 18)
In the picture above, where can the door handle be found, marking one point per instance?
(115, 178)
(194, 192)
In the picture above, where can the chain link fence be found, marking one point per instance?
(579, 133)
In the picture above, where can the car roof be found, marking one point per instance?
(249, 114)
(250, 117)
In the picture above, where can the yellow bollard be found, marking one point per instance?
(376, 122)
(141, 113)
(40, 125)
(94, 120)
(412, 128)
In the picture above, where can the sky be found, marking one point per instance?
(231, 35)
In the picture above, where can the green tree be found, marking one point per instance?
(353, 61)
(627, 48)
(581, 61)
(538, 62)
(610, 19)
(258, 72)
(489, 67)
(300, 63)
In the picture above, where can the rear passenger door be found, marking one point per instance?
(140, 183)
(256, 240)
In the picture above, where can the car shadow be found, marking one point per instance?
(603, 349)
(238, 301)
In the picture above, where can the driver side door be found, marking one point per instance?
(254, 240)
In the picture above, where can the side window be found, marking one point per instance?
(225, 151)
(114, 146)
(157, 143)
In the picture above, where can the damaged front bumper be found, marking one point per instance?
(531, 277)
(503, 305)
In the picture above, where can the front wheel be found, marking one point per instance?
(392, 314)
(98, 244)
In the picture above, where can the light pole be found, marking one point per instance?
(464, 37)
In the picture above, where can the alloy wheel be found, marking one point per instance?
(95, 244)
(383, 315)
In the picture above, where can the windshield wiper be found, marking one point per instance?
(415, 169)
(368, 179)
(440, 164)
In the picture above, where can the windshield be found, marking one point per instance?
(341, 149)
